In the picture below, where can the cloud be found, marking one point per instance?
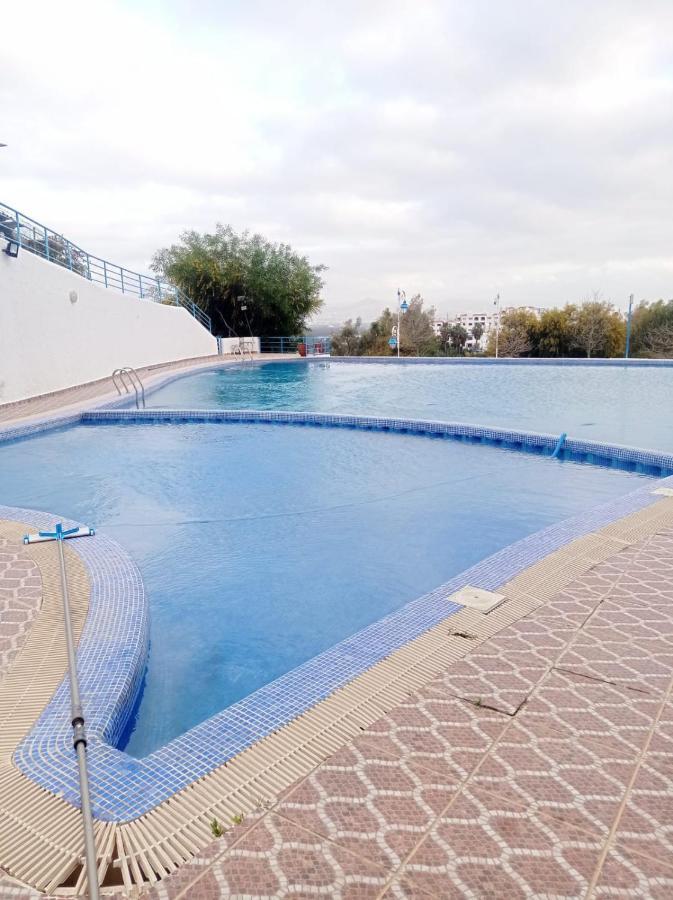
(453, 149)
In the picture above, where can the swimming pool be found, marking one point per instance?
(626, 405)
(261, 546)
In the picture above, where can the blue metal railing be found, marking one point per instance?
(36, 238)
(307, 345)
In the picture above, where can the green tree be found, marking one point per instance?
(246, 284)
(347, 341)
(416, 330)
(597, 328)
(458, 337)
(444, 338)
(518, 334)
(554, 332)
(477, 331)
(651, 321)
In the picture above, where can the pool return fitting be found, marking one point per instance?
(77, 714)
(559, 445)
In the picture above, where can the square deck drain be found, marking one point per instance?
(477, 598)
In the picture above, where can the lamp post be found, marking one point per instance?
(628, 328)
(402, 306)
(496, 303)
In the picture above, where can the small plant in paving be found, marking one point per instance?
(238, 818)
(216, 829)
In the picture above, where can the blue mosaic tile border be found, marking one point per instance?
(650, 462)
(111, 668)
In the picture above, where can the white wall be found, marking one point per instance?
(48, 342)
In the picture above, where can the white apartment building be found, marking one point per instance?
(488, 321)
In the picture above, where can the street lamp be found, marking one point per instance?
(402, 306)
(496, 303)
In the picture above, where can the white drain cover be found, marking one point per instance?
(477, 598)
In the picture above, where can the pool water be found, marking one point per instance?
(262, 545)
(616, 404)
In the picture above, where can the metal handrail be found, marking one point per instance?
(135, 381)
(313, 345)
(42, 241)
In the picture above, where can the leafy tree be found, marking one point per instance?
(445, 337)
(649, 323)
(346, 342)
(554, 332)
(246, 284)
(477, 331)
(416, 330)
(518, 334)
(597, 328)
(458, 337)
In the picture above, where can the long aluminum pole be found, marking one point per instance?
(79, 736)
(497, 324)
(628, 328)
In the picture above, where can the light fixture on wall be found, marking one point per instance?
(12, 249)
(73, 296)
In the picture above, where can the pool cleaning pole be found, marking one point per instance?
(77, 714)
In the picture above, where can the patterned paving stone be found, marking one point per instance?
(20, 598)
(435, 731)
(578, 782)
(632, 647)
(646, 825)
(627, 874)
(490, 847)
(278, 858)
(502, 673)
(584, 709)
(379, 809)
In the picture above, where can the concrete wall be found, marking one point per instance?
(49, 342)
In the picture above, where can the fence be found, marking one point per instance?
(307, 345)
(36, 238)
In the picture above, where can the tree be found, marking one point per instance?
(477, 332)
(346, 342)
(458, 338)
(518, 334)
(647, 323)
(417, 335)
(555, 332)
(660, 341)
(445, 337)
(597, 328)
(246, 284)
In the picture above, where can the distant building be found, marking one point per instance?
(488, 321)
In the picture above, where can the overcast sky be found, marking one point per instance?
(456, 149)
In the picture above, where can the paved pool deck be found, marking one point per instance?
(540, 764)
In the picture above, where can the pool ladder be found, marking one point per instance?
(129, 378)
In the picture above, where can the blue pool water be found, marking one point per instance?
(632, 406)
(263, 545)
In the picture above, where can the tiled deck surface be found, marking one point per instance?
(20, 595)
(541, 765)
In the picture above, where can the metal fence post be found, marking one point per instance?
(121, 273)
(46, 244)
(105, 272)
(18, 229)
